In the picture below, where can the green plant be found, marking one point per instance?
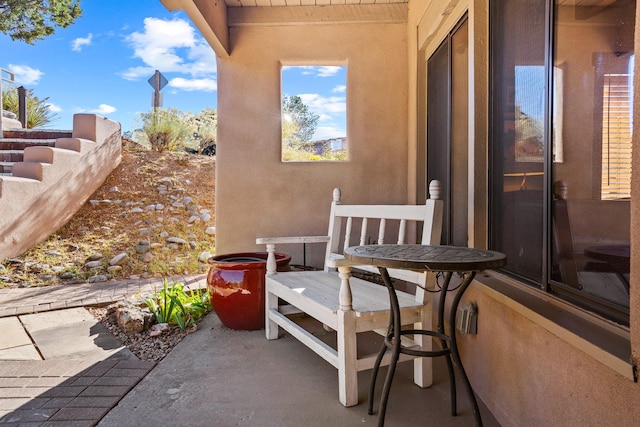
(162, 130)
(175, 306)
(202, 128)
(171, 129)
(39, 113)
(290, 154)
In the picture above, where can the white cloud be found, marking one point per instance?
(203, 59)
(103, 110)
(54, 108)
(205, 85)
(317, 70)
(328, 71)
(157, 45)
(339, 89)
(314, 70)
(328, 132)
(25, 75)
(76, 44)
(136, 73)
(171, 46)
(324, 105)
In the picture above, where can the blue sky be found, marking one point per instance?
(322, 89)
(102, 62)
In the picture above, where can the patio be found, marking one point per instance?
(221, 377)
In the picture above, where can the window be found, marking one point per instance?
(448, 129)
(617, 123)
(560, 147)
(314, 113)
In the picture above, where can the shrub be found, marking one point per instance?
(39, 112)
(163, 130)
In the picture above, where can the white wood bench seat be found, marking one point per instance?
(347, 304)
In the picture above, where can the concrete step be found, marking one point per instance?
(12, 151)
(37, 133)
(6, 168)
(22, 143)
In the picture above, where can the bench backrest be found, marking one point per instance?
(354, 225)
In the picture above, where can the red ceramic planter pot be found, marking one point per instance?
(236, 287)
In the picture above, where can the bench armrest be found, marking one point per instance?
(295, 239)
(338, 260)
(272, 241)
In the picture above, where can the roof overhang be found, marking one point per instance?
(214, 18)
(209, 17)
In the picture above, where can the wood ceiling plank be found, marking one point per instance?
(305, 15)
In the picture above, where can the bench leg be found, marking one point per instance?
(347, 358)
(423, 366)
(271, 329)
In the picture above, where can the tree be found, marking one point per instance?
(299, 124)
(31, 20)
(39, 113)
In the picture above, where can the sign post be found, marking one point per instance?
(157, 82)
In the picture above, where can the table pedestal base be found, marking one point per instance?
(448, 342)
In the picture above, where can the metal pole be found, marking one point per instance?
(156, 94)
(22, 106)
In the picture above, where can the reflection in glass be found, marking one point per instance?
(595, 176)
(561, 146)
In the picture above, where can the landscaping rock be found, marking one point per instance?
(133, 320)
(120, 259)
(93, 264)
(176, 240)
(158, 329)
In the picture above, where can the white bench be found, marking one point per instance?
(350, 305)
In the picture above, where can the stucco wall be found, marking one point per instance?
(257, 195)
(51, 184)
(528, 376)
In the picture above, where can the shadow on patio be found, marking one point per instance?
(221, 377)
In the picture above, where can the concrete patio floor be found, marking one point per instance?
(221, 377)
(60, 367)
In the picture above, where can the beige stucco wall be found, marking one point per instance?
(528, 376)
(257, 195)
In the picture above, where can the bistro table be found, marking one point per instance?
(447, 259)
(618, 256)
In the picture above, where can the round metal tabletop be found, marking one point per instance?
(423, 257)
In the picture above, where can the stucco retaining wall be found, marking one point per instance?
(53, 183)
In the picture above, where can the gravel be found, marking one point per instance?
(143, 345)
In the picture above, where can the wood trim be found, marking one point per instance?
(396, 13)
